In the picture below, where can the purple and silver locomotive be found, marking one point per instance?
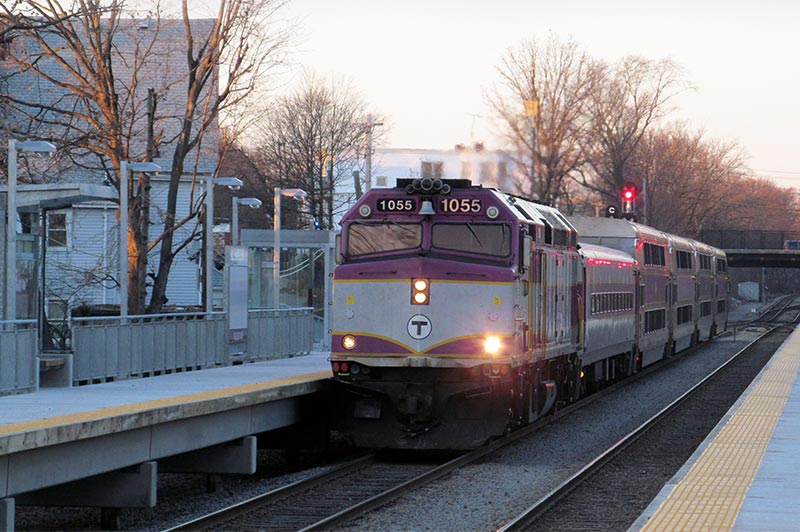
(461, 312)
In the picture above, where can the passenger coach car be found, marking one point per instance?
(461, 312)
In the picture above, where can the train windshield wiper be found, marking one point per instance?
(471, 230)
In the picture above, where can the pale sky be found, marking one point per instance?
(424, 65)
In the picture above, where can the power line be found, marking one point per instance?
(776, 172)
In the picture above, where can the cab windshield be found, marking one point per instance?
(369, 238)
(474, 238)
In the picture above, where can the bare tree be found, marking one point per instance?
(541, 105)
(239, 45)
(626, 100)
(98, 65)
(314, 139)
(685, 179)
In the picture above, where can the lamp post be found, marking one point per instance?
(370, 126)
(233, 183)
(253, 203)
(124, 168)
(298, 194)
(15, 146)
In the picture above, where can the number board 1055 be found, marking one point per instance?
(397, 205)
(460, 205)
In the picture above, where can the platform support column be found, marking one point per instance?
(233, 458)
(133, 487)
(7, 514)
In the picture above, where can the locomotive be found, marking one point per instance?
(460, 312)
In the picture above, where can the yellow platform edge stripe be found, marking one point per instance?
(142, 406)
(711, 494)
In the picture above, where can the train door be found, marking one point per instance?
(672, 313)
(539, 300)
(639, 305)
(559, 307)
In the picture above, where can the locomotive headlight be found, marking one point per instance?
(492, 345)
(349, 342)
(420, 291)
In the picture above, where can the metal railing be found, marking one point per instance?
(152, 344)
(143, 345)
(18, 352)
(280, 333)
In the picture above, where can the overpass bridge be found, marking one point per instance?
(754, 249)
(762, 258)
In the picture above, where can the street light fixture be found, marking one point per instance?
(253, 203)
(294, 193)
(124, 168)
(233, 183)
(15, 146)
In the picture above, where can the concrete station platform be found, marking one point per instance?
(746, 474)
(205, 420)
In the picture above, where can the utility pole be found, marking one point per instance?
(531, 110)
(370, 124)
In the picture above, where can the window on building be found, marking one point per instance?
(487, 172)
(5, 46)
(502, 171)
(466, 170)
(28, 221)
(432, 169)
(57, 229)
(56, 309)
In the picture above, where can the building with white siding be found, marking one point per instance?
(490, 168)
(82, 240)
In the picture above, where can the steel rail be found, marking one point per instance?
(533, 512)
(212, 520)
(365, 506)
(381, 499)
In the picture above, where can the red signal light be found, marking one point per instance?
(629, 192)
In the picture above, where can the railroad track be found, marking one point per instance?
(313, 504)
(615, 488)
(331, 499)
(785, 305)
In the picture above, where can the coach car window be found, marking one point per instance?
(654, 255)
(366, 238)
(655, 320)
(483, 239)
(684, 260)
